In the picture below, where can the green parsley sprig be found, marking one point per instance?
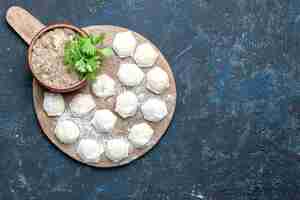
(82, 55)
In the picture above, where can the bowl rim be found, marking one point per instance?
(79, 84)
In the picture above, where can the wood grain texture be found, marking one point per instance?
(23, 23)
(111, 67)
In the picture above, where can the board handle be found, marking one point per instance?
(26, 25)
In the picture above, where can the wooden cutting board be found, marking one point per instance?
(29, 26)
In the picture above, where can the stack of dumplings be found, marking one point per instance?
(111, 131)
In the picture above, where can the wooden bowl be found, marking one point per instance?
(78, 85)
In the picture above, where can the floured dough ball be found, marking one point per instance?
(82, 104)
(130, 74)
(90, 150)
(140, 134)
(103, 86)
(54, 104)
(154, 110)
(127, 104)
(66, 131)
(157, 80)
(104, 121)
(124, 44)
(145, 55)
(117, 149)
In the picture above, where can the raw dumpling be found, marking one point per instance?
(66, 131)
(154, 110)
(103, 86)
(127, 104)
(124, 44)
(130, 74)
(54, 104)
(157, 80)
(117, 149)
(82, 104)
(145, 55)
(104, 121)
(140, 134)
(90, 150)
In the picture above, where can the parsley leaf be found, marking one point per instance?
(107, 52)
(87, 47)
(97, 39)
(82, 55)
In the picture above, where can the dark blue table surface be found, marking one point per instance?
(235, 134)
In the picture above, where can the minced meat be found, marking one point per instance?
(48, 59)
